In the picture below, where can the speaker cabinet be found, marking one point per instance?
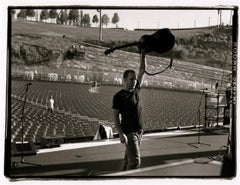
(51, 141)
(228, 166)
(25, 148)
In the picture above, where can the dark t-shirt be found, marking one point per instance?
(127, 102)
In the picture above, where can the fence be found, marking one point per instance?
(76, 75)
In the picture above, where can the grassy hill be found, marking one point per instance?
(207, 46)
(45, 45)
(82, 33)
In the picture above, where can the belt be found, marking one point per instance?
(138, 132)
(135, 132)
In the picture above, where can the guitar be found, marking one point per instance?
(161, 41)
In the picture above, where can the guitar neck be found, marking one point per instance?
(119, 47)
(126, 45)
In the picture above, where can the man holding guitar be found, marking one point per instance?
(130, 125)
(127, 110)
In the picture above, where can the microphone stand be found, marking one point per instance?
(15, 164)
(198, 141)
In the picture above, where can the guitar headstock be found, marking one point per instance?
(110, 50)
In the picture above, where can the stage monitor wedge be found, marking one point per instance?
(26, 148)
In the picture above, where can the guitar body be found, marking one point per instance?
(160, 42)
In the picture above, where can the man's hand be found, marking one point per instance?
(123, 139)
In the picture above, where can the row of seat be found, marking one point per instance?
(78, 113)
(182, 70)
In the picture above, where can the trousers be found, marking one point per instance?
(132, 158)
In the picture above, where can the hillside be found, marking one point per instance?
(46, 45)
(207, 46)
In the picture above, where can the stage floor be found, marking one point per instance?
(165, 154)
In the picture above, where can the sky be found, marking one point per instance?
(159, 18)
(137, 18)
(133, 18)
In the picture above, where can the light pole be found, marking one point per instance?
(100, 25)
(209, 22)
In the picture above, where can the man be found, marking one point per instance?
(127, 116)
(51, 104)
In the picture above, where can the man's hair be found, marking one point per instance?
(125, 74)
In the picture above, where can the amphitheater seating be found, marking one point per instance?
(78, 113)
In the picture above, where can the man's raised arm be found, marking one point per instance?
(141, 68)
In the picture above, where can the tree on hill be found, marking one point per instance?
(53, 14)
(105, 19)
(30, 13)
(77, 18)
(86, 20)
(81, 18)
(22, 14)
(95, 19)
(115, 19)
(63, 17)
(74, 17)
(44, 15)
(13, 12)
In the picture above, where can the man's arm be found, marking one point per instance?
(141, 68)
(116, 118)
